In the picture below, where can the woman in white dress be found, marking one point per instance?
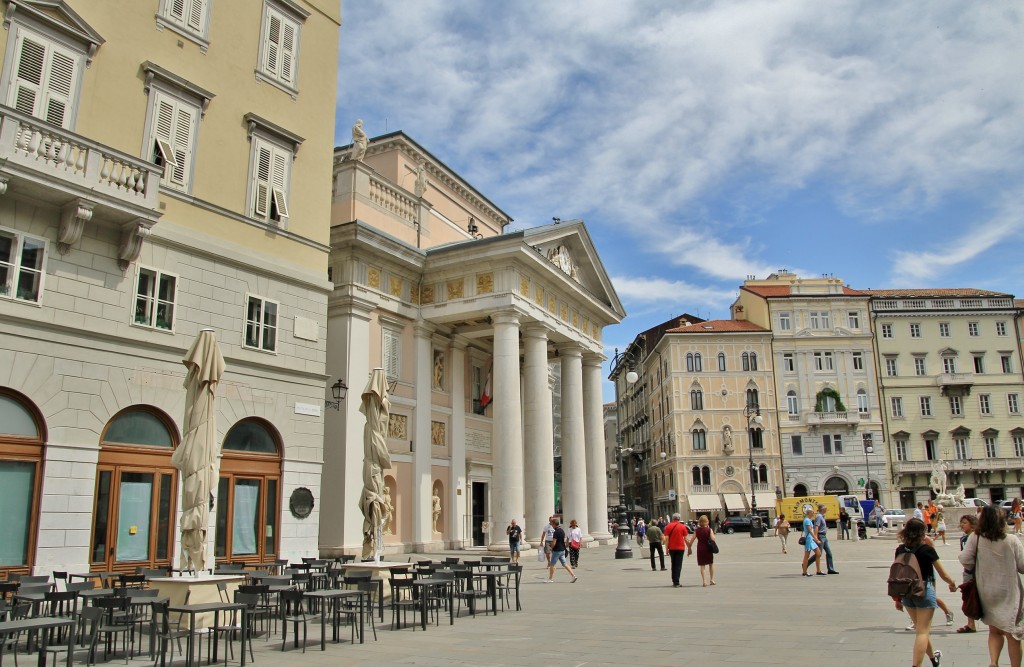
(998, 562)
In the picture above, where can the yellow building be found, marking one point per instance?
(164, 168)
(432, 287)
(830, 424)
(950, 370)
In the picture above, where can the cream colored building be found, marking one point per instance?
(950, 370)
(164, 167)
(830, 424)
(431, 287)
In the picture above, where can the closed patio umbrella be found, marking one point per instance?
(196, 456)
(376, 459)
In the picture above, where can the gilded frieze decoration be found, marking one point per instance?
(456, 289)
(398, 427)
(538, 298)
(524, 286)
(565, 312)
(552, 306)
(438, 436)
(414, 293)
(373, 277)
(395, 287)
(427, 294)
(586, 326)
(484, 283)
(575, 321)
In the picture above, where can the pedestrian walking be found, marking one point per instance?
(641, 532)
(844, 524)
(968, 524)
(822, 534)
(515, 537)
(703, 536)
(558, 552)
(546, 535)
(940, 524)
(1016, 515)
(782, 527)
(675, 536)
(812, 545)
(654, 540)
(575, 542)
(921, 609)
(879, 513)
(998, 563)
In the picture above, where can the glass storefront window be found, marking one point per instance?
(17, 479)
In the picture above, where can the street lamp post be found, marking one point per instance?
(624, 549)
(754, 424)
(868, 449)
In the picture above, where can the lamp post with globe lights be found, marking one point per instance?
(755, 422)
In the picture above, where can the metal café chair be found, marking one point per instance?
(233, 624)
(293, 611)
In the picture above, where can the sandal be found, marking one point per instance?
(964, 629)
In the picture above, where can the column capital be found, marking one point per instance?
(570, 350)
(505, 317)
(423, 329)
(536, 330)
(457, 342)
(593, 359)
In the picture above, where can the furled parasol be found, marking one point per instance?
(376, 459)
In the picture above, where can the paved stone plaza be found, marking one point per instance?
(762, 612)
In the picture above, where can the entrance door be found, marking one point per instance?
(479, 512)
(132, 521)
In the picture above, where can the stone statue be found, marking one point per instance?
(421, 178)
(939, 486)
(436, 500)
(560, 257)
(359, 141)
(727, 439)
(389, 510)
(438, 370)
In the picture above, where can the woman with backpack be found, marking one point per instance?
(921, 607)
(998, 563)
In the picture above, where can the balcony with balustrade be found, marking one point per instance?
(848, 419)
(91, 183)
(955, 384)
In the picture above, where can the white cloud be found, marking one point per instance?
(670, 295)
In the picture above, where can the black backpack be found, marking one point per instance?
(905, 576)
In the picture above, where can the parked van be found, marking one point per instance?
(793, 509)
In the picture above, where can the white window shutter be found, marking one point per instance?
(176, 9)
(182, 143)
(28, 82)
(273, 44)
(261, 205)
(195, 15)
(287, 52)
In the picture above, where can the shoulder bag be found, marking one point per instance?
(970, 600)
(712, 545)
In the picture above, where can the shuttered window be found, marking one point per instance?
(392, 347)
(173, 135)
(45, 81)
(280, 47)
(271, 171)
(189, 14)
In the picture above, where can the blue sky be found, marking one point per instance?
(702, 142)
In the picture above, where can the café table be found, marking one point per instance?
(491, 576)
(423, 586)
(377, 570)
(215, 608)
(334, 596)
(36, 624)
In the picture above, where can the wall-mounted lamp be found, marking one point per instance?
(473, 229)
(338, 390)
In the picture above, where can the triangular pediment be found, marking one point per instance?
(948, 352)
(57, 15)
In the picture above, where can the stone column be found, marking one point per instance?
(539, 436)
(422, 525)
(457, 492)
(593, 433)
(348, 339)
(574, 459)
(507, 440)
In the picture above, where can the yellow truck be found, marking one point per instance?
(793, 509)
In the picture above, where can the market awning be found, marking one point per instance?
(704, 501)
(734, 502)
(765, 500)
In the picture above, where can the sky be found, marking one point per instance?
(705, 142)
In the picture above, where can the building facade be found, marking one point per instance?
(148, 191)
(830, 423)
(466, 318)
(950, 373)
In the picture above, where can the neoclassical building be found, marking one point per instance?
(148, 191)
(465, 317)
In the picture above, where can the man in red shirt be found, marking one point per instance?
(675, 538)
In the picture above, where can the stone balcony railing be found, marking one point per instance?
(92, 183)
(832, 418)
(959, 465)
(954, 379)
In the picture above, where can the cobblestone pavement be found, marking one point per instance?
(761, 612)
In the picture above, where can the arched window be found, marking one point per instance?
(792, 403)
(721, 361)
(800, 490)
(696, 399)
(21, 451)
(862, 402)
(248, 495)
(699, 439)
(705, 474)
(745, 361)
(697, 363)
(695, 473)
(753, 361)
(752, 399)
(762, 474)
(136, 491)
(689, 361)
(836, 486)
